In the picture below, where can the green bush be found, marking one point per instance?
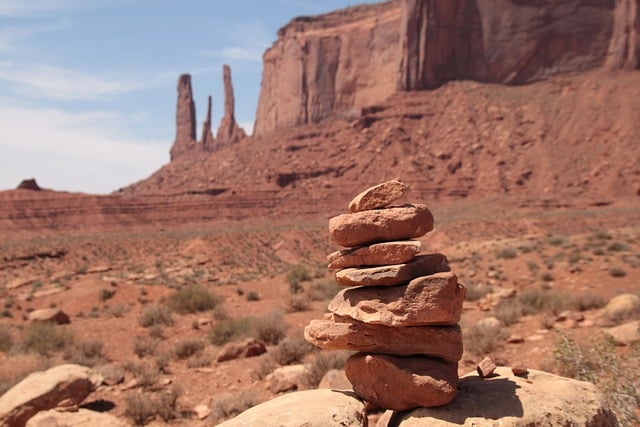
(291, 350)
(155, 315)
(193, 299)
(187, 348)
(616, 376)
(271, 328)
(296, 276)
(45, 338)
(231, 329)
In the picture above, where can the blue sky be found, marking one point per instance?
(88, 88)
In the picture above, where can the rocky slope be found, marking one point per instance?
(335, 64)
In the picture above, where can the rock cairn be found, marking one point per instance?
(399, 309)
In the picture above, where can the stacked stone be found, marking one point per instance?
(399, 310)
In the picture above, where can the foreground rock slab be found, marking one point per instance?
(377, 254)
(45, 390)
(541, 399)
(402, 383)
(311, 408)
(343, 333)
(390, 275)
(378, 196)
(381, 225)
(80, 418)
(430, 300)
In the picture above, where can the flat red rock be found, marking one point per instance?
(378, 196)
(344, 333)
(401, 383)
(386, 253)
(381, 225)
(390, 275)
(429, 300)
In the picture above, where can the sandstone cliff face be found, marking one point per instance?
(185, 119)
(333, 65)
(330, 64)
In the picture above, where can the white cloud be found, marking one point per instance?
(46, 81)
(10, 36)
(88, 152)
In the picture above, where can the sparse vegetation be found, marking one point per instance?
(228, 405)
(321, 363)
(271, 328)
(144, 346)
(187, 348)
(193, 299)
(507, 253)
(617, 272)
(45, 338)
(475, 292)
(6, 339)
(298, 302)
(480, 339)
(616, 376)
(231, 329)
(143, 407)
(291, 350)
(155, 315)
(297, 274)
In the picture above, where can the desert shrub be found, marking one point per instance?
(475, 292)
(509, 311)
(6, 340)
(118, 310)
(616, 376)
(271, 328)
(481, 339)
(16, 367)
(146, 374)
(144, 346)
(296, 275)
(574, 257)
(106, 294)
(602, 235)
(617, 272)
(193, 299)
(590, 301)
(322, 362)
(86, 353)
(557, 240)
(264, 367)
(162, 361)
(507, 253)
(253, 296)
(45, 338)
(547, 276)
(230, 329)
(144, 407)
(230, 404)
(291, 350)
(323, 289)
(536, 301)
(618, 247)
(188, 348)
(297, 303)
(155, 315)
(200, 361)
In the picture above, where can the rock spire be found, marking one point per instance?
(228, 132)
(185, 119)
(207, 134)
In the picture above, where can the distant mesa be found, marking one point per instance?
(228, 131)
(29, 184)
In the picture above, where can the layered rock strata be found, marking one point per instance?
(399, 309)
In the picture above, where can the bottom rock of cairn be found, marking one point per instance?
(399, 309)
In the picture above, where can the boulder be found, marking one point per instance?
(378, 196)
(381, 225)
(386, 253)
(402, 383)
(51, 315)
(390, 275)
(541, 399)
(286, 378)
(430, 300)
(626, 334)
(622, 307)
(486, 367)
(344, 333)
(241, 350)
(310, 408)
(45, 390)
(80, 418)
(335, 379)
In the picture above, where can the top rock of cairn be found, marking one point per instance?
(399, 309)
